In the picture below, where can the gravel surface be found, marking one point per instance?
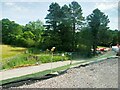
(99, 75)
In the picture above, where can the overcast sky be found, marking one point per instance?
(24, 11)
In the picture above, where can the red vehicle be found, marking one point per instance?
(102, 49)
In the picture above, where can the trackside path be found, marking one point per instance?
(7, 74)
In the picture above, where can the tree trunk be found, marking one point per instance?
(94, 49)
(73, 37)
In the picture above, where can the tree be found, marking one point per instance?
(76, 20)
(114, 36)
(119, 37)
(65, 29)
(71, 22)
(63, 21)
(34, 31)
(10, 30)
(27, 36)
(104, 38)
(97, 21)
(84, 42)
(0, 32)
(53, 20)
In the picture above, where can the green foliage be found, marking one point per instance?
(35, 30)
(84, 42)
(17, 61)
(31, 59)
(97, 21)
(65, 29)
(52, 19)
(29, 42)
(108, 37)
(47, 58)
(10, 30)
(118, 37)
(63, 22)
(27, 36)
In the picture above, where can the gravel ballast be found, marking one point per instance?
(98, 75)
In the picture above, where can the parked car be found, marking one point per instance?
(100, 49)
(115, 48)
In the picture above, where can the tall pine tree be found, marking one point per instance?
(97, 21)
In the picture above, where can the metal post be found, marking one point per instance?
(53, 48)
(71, 58)
(51, 62)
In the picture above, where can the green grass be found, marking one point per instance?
(47, 58)
(102, 47)
(106, 55)
(22, 60)
(9, 51)
(28, 60)
(18, 61)
(14, 57)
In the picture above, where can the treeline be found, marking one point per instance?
(66, 29)
(18, 35)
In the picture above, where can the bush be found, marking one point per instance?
(18, 62)
(29, 42)
(31, 59)
(85, 50)
(47, 58)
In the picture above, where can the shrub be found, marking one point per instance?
(30, 59)
(18, 61)
(47, 58)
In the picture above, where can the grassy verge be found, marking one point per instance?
(106, 55)
(23, 60)
(14, 57)
(101, 47)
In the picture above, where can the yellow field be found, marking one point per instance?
(9, 51)
(102, 47)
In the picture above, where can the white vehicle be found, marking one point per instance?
(115, 48)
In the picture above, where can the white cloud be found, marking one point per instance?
(59, 0)
(113, 23)
(24, 12)
(106, 6)
(15, 6)
(0, 12)
(9, 3)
